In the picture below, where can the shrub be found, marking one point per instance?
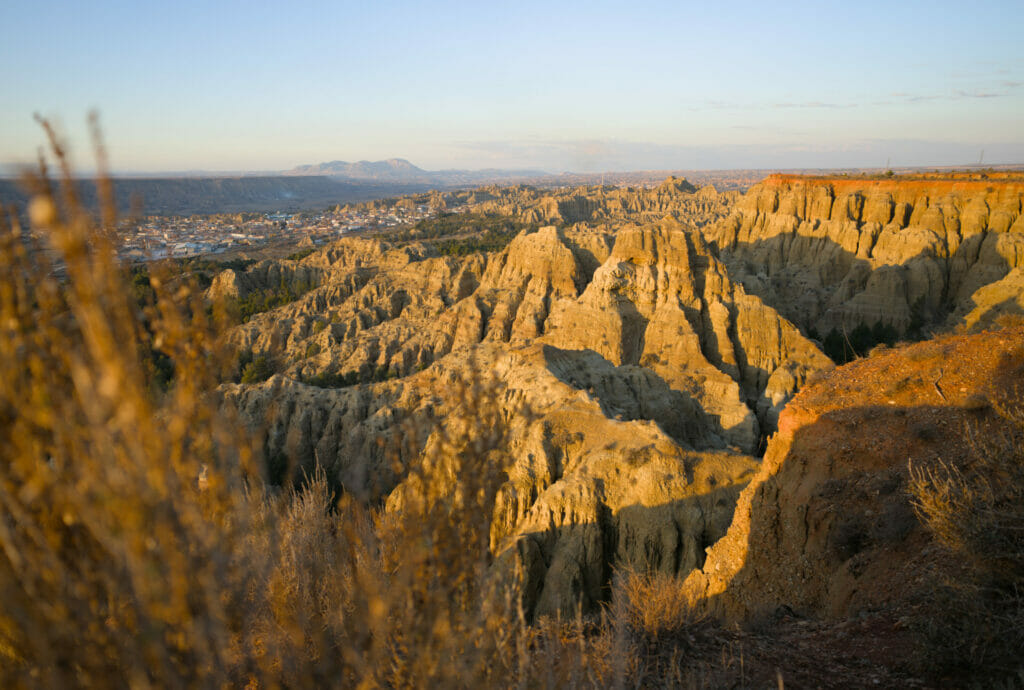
(653, 606)
(301, 254)
(259, 369)
(259, 301)
(976, 513)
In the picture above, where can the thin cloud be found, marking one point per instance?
(813, 104)
(956, 95)
(978, 94)
(728, 105)
(596, 155)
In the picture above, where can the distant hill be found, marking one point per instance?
(399, 170)
(203, 195)
(391, 170)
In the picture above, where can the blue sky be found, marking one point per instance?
(580, 86)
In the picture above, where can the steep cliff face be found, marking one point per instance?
(648, 296)
(833, 253)
(675, 198)
(826, 527)
(662, 301)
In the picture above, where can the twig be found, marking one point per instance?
(938, 390)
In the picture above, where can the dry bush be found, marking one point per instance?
(114, 565)
(654, 605)
(139, 545)
(659, 638)
(976, 512)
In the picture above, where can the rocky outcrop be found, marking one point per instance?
(990, 304)
(675, 198)
(232, 284)
(834, 253)
(638, 378)
(648, 296)
(662, 301)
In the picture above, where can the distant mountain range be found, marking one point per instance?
(401, 171)
(188, 195)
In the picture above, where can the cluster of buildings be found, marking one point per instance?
(158, 237)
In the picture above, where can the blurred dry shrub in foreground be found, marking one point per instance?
(139, 546)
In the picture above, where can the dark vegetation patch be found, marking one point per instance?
(254, 369)
(259, 301)
(351, 378)
(975, 512)
(460, 234)
(843, 347)
(301, 254)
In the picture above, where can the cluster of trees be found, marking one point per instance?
(842, 346)
(351, 378)
(266, 299)
(301, 254)
(459, 234)
(254, 369)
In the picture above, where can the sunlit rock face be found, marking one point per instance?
(835, 253)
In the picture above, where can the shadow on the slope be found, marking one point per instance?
(633, 392)
(822, 287)
(569, 569)
(829, 530)
(832, 529)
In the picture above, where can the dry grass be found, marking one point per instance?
(654, 606)
(976, 513)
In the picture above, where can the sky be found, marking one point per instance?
(557, 86)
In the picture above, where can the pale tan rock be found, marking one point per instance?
(811, 247)
(650, 375)
(1003, 298)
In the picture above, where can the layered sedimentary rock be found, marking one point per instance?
(650, 377)
(649, 296)
(834, 253)
(602, 468)
(662, 301)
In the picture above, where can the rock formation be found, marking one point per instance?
(650, 375)
(834, 253)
